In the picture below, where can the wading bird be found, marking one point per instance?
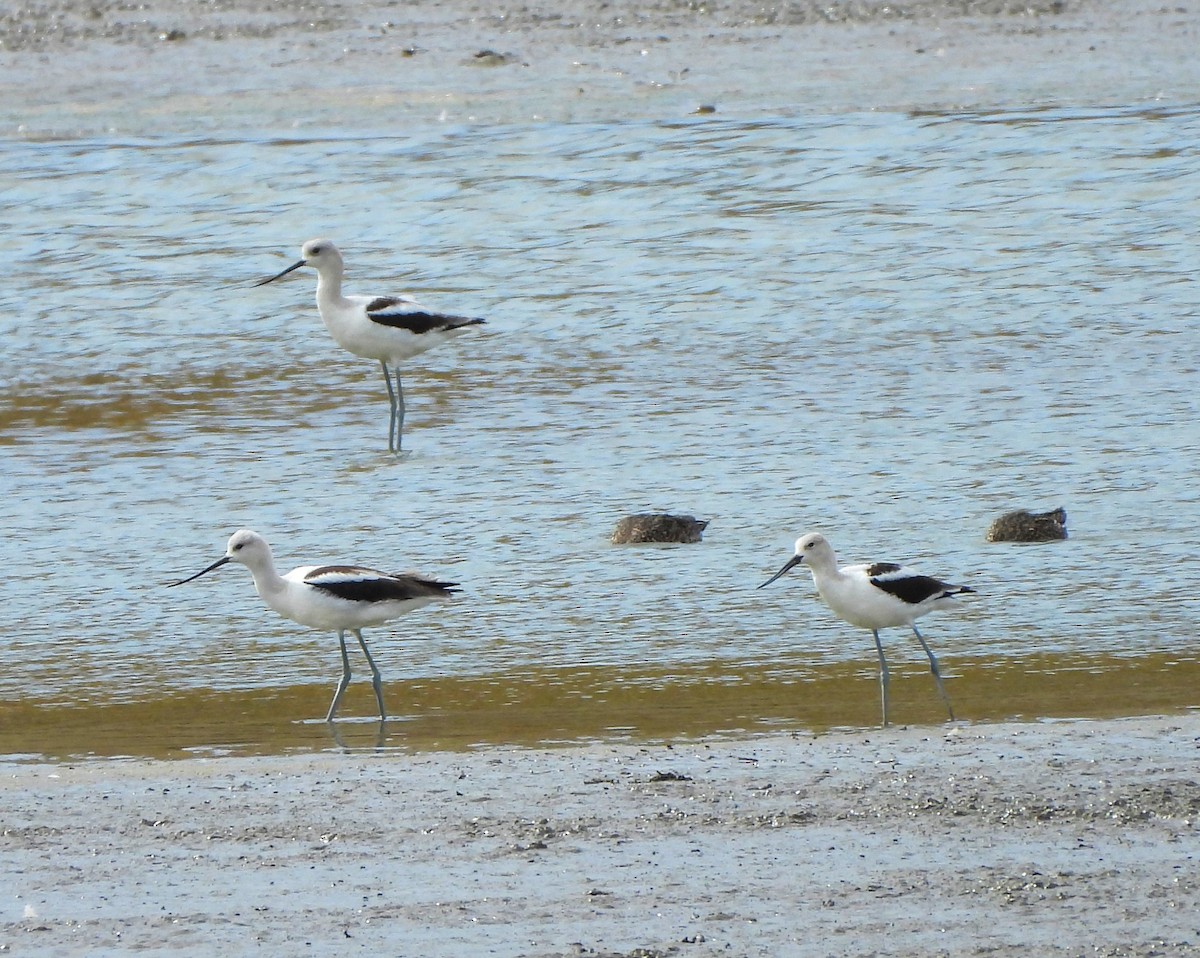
(876, 596)
(390, 329)
(339, 598)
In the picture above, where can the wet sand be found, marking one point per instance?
(1049, 839)
(1062, 838)
(163, 66)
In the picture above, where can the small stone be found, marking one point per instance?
(490, 58)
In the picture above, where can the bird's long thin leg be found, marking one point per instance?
(341, 689)
(376, 678)
(883, 676)
(399, 409)
(937, 674)
(387, 378)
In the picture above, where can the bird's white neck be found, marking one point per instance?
(329, 288)
(829, 580)
(329, 284)
(267, 582)
(824, 571)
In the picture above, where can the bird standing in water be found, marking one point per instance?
(334, 597)
(876, 596)
(390, 329)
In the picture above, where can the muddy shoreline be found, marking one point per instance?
(59, 23)
(172, 68)
(1049, 839)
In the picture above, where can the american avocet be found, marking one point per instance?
(335, 597)
(390, 329)
(876, 596)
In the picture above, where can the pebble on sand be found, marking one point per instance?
(658, 527)
(1025, 526)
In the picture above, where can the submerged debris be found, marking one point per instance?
(1025, 526)
(661, 776)
(492, 58)
(658, 527)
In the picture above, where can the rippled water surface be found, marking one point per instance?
(888, 327)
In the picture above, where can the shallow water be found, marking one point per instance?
(891, 327)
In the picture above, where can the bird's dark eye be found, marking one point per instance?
(317, 250)
(237, 546)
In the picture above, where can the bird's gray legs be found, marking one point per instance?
(387, 378)
(399, 408)
(933, 667)
(883, 676)
(345, 681)
(376, 678)
(396, 398)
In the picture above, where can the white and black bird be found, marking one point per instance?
(337, 598)
(877, 596)
(389, 329)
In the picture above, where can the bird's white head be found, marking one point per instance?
(321, 254)
(813, 550)
(318, 252)
(247, 547)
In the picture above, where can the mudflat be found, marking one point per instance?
(1045, 838)
(180, 67)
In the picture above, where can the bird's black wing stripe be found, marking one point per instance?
(367, 585)
(416, 321)
(434, 587)
(913, 589)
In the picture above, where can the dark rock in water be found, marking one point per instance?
(658, 527)
(1025, 526)
(491, 58)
